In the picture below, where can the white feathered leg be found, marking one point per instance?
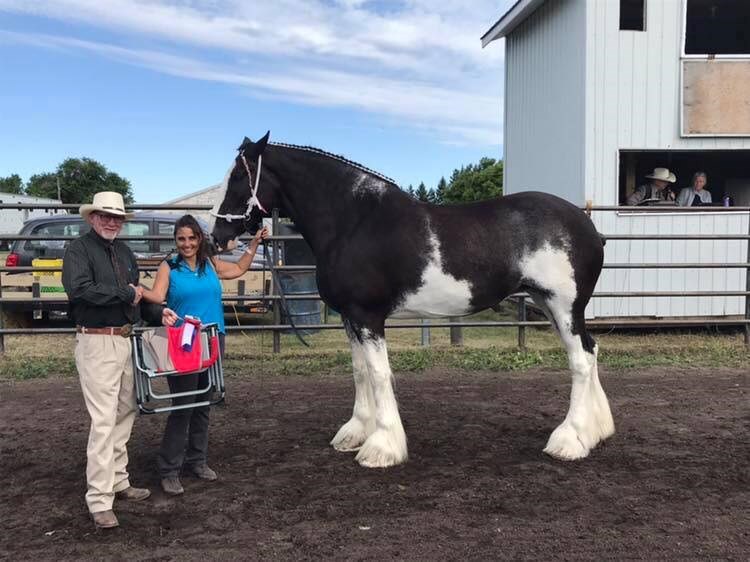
(589, 419)
(386, 446)
(602, 413)
(353, 433)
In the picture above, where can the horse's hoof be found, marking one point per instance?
(350, 437)
(383, 449)
(564, 444)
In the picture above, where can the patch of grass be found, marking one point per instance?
(36, 368)
(485, 349)
(413, 359)
(282, 364)
(704, 356)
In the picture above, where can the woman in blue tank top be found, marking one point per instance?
(190, 284)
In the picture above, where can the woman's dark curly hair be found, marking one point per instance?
(203, 247)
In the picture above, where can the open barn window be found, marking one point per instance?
(633, 15)
(717, 27)
(727, 171)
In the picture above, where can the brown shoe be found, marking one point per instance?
(203, 472)
(105, 519)
(133, 494)
(172, 486)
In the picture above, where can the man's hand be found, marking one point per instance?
(138, 293)
(169, 317)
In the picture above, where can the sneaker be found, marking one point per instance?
(105, 519)
(172, 486)
(203, 472)
(133, 494)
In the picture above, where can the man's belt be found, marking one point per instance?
(124, 331)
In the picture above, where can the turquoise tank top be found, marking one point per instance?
(194, 293)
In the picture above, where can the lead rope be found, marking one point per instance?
(284, 307)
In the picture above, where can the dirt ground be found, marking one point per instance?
(672, 484)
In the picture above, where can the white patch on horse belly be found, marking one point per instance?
(439, 295)
(550, 269)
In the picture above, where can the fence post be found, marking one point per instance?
(241, 292)
(36, 293)
(2, 317)
(277, 290)
(457, 334)
(522, 318)
(425, 333)
(747, 288)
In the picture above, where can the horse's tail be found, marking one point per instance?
(602, 238)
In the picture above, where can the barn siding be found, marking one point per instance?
(633, 93)
(633, 103)
(672, 251)
(544, 136)
(206, 196)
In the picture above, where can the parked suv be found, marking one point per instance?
(147, 252)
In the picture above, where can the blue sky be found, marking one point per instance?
(163, 91)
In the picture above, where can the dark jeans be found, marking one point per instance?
(185, 440)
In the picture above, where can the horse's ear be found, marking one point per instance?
(260, 146)
(246, 142)
(252, 149)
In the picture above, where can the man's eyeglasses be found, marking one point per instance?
(109, 218)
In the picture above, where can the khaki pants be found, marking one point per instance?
(106, 373)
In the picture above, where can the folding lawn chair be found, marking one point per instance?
(154, 360)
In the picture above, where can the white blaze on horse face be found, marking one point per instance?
(439, 295)
(219, 199)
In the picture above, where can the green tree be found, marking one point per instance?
(11, 184)
(410, 190)
(475, 182)
(43, 185)
(79, 179)
(440, 190)
(421, 193)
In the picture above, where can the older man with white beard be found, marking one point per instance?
(100, 276)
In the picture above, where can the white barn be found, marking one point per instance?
(205, 196)
(11, 220)
(600, 92)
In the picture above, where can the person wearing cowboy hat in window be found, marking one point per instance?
(657, 190)
(100, 276)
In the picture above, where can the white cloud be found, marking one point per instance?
(416, 61)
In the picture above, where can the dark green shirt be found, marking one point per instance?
(100, 296)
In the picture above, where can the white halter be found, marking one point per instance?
(253, 201)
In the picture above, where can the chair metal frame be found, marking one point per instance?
(147, 397)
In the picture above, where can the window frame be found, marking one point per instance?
(703, 56)
(644, 19)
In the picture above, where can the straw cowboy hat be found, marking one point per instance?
(662, 174)
(109, 202)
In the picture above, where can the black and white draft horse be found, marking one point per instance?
(381, 254)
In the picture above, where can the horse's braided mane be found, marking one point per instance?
(335, 157)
